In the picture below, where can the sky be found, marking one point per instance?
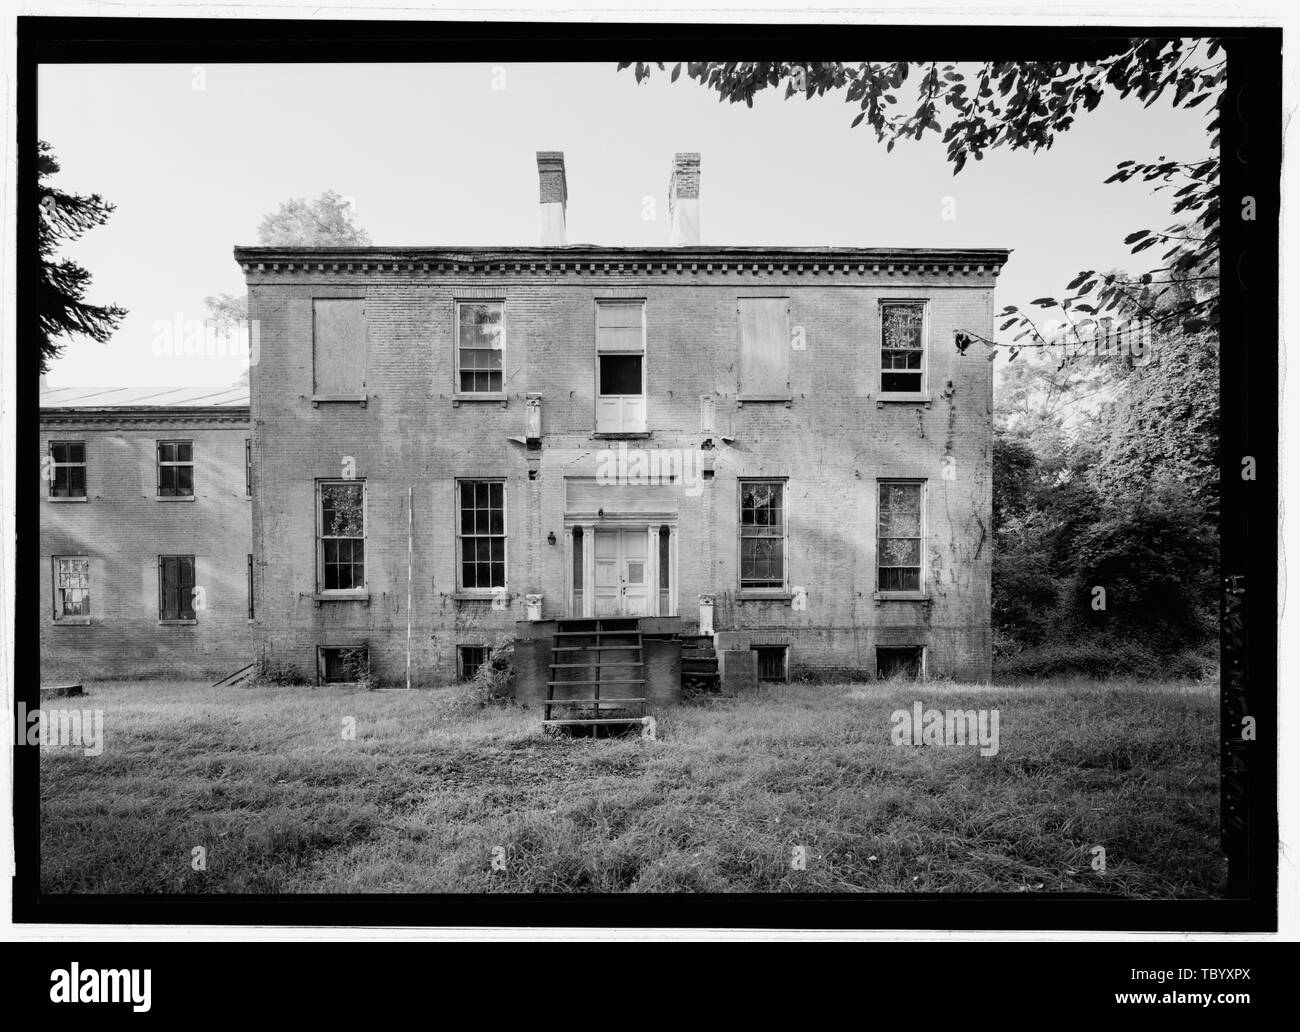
(445, 155)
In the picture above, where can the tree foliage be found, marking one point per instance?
(1025, 105)
(1117, 492)
(328, 221)
(62, 309)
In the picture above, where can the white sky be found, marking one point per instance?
(434, 155)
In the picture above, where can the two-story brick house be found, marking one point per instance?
(145, 538)
(443, 435)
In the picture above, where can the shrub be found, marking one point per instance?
(278, 672)
(356, 665)
(1104, 657)
(494, 681)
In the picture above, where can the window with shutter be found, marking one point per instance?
(68, 469)
(176, 587)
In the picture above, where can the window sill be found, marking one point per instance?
(481, 596)
(500, 397)
(743, 399)
(177, 623)
(764, 595)
(341, 596)
(72, 621)
(895, 399)
(901, 596)
(621, 435)
(63, 500)
(344, 399)
(173, 498)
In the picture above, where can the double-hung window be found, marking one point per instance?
(341, 541)
(71, 589)
(763, 528)
(481, 534)
(480, 347)
(899, 530)
(620, 367)
(902, 349)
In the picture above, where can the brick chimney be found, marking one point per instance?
(684, 201)
(554, 197)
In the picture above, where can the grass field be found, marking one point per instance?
(264, 781)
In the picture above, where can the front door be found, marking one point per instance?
(621, 567)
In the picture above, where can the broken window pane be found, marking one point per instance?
(902, 328)
(343, 531)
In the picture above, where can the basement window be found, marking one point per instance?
(470, 658)
(342, 664)
(907, 662)
(67, 469)
(773, 662)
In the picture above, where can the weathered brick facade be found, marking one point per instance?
(831, 442)
(122, 527)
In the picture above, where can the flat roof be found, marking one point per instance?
(996, 256)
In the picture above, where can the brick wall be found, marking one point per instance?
(833, 441)
(123, 528)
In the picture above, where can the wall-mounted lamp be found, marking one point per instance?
(550, 538)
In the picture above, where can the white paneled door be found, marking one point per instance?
(622, 573)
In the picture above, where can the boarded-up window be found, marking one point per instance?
(620, 367)
(764, 349)
(176, 587)
(339, 346)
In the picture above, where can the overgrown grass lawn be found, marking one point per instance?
(266, 783)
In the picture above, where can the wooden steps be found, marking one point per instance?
(699, 664)
(240, 677)
(586, 658)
